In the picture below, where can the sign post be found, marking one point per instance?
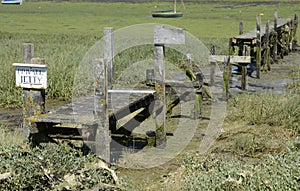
(163, 36)
(32, 77)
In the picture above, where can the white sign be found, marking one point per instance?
(31, 75)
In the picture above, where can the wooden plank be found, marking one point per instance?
(233, 59)
(166, 35)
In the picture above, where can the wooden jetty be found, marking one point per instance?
(265, 44)
(93, 118)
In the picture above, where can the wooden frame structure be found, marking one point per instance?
(267, 44)
(95, 123)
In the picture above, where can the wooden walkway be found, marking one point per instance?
(82, 110)
(93, 118)
(253, 33)
(265, 45)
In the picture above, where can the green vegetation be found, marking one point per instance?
(254, 151)
(9, 137)
(63, 32)
(272, 172)
(53, 167)
(269, 109)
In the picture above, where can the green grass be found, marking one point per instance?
(10, 137)
(295, 85)
(251, 152)
(269, 109)
(63, 32)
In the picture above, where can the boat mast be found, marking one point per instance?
(174, 6)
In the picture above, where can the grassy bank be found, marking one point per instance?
(256, 149)
(63, 32)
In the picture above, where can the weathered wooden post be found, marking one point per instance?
(289, 32)
(243, 51)
(241, 28)
(163, 36)
(32, 77)
(258, 45)
(226, 76)
(244, 69)
(267, 65)
(275, 38)
(102, 137)
(28, 52)
(109, 54)
(295, 26)
(212, 66)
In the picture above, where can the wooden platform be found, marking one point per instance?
(253, 33)
(82, 110)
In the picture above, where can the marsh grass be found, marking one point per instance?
(10, 137)
(63, 32)
(269, 109)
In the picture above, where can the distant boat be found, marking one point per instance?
(168, 13)
(18, 2)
